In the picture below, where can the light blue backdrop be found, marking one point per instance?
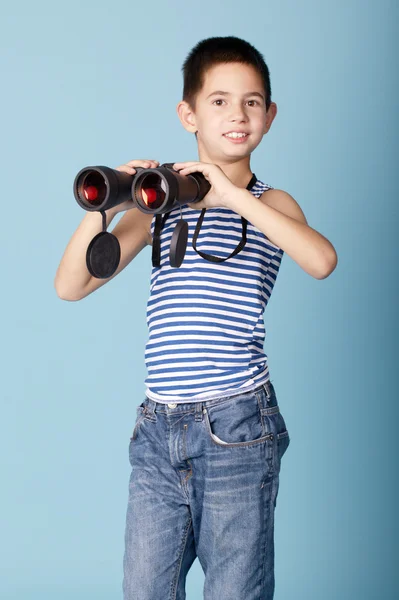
(96, 83)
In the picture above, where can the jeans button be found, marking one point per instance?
(172, 405)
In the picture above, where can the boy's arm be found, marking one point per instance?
(73, 281)
(281, 219)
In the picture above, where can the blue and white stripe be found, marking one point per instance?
(205, 319)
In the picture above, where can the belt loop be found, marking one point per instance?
(267, 389)
(198, 411)
(150, 408)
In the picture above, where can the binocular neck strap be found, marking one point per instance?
(217, 259)
(156, 238)
(243, 240)
(160, 221)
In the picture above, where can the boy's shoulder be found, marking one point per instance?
(283, 202)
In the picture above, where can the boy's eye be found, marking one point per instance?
(221, 100)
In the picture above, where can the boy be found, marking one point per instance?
(209, 437)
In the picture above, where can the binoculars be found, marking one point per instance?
(155, 191)
(152, 190)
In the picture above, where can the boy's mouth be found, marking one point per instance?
(236, 138)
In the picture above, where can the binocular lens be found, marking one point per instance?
(91, 193)
(93, 189)
(149, 195)
(152, 191)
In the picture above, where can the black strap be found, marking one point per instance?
(242, 243)
(156, 240)
(104, 220)
(160, 221)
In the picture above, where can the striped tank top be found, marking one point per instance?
(205, 319)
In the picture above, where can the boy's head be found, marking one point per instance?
(233, 66)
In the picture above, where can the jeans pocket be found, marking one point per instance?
(283, 441)
(236, 423)
(274, 422)
(139, 418)
(141, 415)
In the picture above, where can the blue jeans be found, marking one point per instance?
(204, 482)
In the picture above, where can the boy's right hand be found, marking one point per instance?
(129, 168)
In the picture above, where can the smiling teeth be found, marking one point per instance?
(235, 135)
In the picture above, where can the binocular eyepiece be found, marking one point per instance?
(157, 190)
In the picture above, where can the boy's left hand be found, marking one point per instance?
(221, 185)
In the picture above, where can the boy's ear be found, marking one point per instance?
(186, 116)
(271, 113)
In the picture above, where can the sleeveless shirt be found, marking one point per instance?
(205, 319)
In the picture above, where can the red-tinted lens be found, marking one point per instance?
(149, 195)
(93, 189)
(151, 191)
(91, 193)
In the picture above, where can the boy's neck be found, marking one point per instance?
(238, 172)
(240, 177)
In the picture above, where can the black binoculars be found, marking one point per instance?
(154, 190)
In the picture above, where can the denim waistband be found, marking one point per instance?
(177, 407)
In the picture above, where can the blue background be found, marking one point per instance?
(95, 83)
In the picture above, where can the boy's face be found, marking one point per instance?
(240, 109)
